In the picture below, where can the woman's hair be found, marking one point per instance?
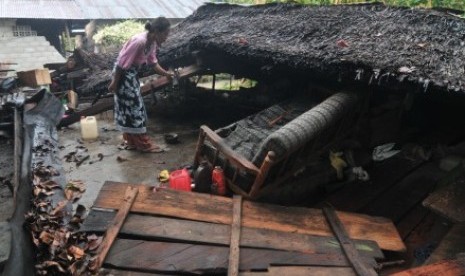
(159, 25)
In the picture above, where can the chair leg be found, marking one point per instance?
(260, 178)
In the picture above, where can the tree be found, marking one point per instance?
(116, 35)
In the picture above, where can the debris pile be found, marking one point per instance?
(60, 249)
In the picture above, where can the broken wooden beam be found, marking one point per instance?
(113, 230)
(18, 148)
(203, 207)
(108, 103)
(361, 268)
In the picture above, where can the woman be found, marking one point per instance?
(130, 113)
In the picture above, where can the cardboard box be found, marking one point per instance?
(35, 77)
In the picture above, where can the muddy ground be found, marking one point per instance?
(132, 166)
(124, 165)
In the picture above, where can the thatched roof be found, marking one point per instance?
(357, 43)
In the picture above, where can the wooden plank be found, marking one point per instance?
(313, 271)
(303, 271)
(162, 81)
(449, 201)
(354, 197)
(151, 227)
(154, 256)
(249, 273)
(18, 149)
(450, 246)
(117, 272)
(404, 195)
(233, 157)
(108, 103)
(444, 268)
(113, 230)
(203, 207)
(411, 220)
(356, 261)
(427, 233)
(233, 267)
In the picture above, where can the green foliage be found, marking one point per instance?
(119, 33)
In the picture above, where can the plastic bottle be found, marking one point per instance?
(218, 181)
(89, 129)
(203, 178)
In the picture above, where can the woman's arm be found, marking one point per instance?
(161, 71)
(115, 79)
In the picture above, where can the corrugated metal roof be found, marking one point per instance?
(56, 9)
(120, 9)
(97, 9)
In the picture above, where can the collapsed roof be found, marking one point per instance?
(347, 43)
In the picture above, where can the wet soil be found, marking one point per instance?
(133, 166)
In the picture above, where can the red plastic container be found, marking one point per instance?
(218, 182)
(180, 180)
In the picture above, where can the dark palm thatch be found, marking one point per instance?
(368, 43)
(371, 44)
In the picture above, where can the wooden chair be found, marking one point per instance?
(270, 146)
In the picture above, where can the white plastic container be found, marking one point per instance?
(89, 129)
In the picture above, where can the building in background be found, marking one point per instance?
(37, 32)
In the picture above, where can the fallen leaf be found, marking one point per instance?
(94, 244)
(49, 185)
(76, 252)
(59, 207)
(76, 185)
(54, 264)
(46, 237)
(342, 43)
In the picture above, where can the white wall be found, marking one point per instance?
(6, 27)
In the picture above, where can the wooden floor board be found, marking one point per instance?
(354, 197)
(150, 227)
(450, 246)
(217, 209)
(168, 256)
(404, 195)
(449, 201)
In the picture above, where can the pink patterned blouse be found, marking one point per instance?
(133, 52)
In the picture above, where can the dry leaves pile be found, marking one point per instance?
(60, 249)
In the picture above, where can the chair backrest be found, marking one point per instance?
(306, 127)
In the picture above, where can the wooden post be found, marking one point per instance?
(198, 148)
(214, 83)
(18, 149)
(262, 174)
(113, 230)
(68, 36)
(234, 256)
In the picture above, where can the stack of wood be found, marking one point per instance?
(170, 231)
